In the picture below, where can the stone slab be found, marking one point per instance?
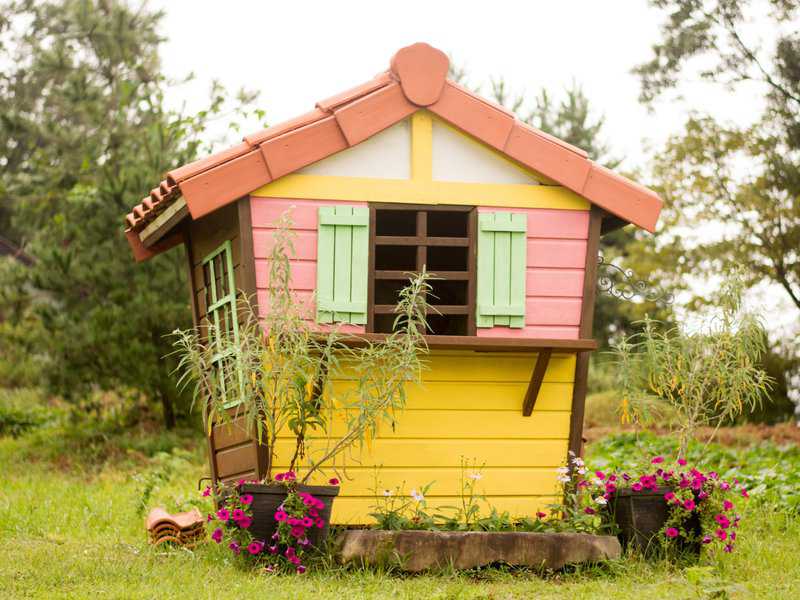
(416, 551)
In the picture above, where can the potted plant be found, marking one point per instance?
(703, 378)
(274, 378)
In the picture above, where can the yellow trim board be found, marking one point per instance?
(364, 189)
(421, 146)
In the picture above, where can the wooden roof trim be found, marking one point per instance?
(416, 79)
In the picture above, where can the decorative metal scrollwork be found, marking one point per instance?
(623, 283)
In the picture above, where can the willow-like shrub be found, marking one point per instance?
(703, 378)
(276, 377)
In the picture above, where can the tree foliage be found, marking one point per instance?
(84, 134)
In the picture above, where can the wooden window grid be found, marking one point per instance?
(423, 241)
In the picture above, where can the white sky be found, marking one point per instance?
(296, 53)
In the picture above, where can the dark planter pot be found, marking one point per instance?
(641, 516)
(267, 499)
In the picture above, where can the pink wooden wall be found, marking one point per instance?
(265, 212)
(555, 264)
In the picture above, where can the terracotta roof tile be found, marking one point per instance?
(417, 78)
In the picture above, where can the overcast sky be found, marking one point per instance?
(296, 53)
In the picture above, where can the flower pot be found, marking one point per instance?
(267, 499)
(641, 516)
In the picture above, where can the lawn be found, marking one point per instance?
(69, 530)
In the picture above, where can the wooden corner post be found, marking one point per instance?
(587, 321)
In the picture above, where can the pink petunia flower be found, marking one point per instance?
(728, 548)
(682, 462)
(333, 481)
(671, 532)
(669, 496)
(312, 512)
(289, 553)
(727, 505)
(637, 487)
(706, 539)
(281, 516)
(238, 513)
(745, 494)
(724, 486)
(300, 569)
(235, 547)
(600, 475)
(273, 549)
(246, 499)
(298, 531)
(722, 520)
(721, 534)
(320, 523)
(245, 522)
(589, 510)
(255, 547)
(293, 521)
(295, 560)
(279, 477)
(307, 522)
(217, 535)
(689, 505)
(223, 514)
(657, 460)
(207, 492)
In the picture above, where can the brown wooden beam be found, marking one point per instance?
(470, 342)
(164, 223)
(537, 377)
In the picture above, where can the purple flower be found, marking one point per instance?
(245, 522)
(702, 495)
(626, 477)
(300, 569)
(671, 532)
(255, 547)
(223, 514)
(281, 516)
(238, 513)
(217, 535)
(246, 499)
(307, 522)
(235, 547)
(706, 539)
(589, 510)
(273, 549)
(304, 542)
(276, 536)
(689, 505)
(293, 521)
(728, 548)
(289, 552)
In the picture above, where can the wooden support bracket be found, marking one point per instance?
(536, 381)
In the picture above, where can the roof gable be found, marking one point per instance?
(416, 80)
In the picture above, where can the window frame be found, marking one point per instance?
(422, 241)
(217, 305)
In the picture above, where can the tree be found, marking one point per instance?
(739, 186)
(84, 134)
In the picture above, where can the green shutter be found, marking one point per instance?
(501, 269)
(342, 252)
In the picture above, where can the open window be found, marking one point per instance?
(406, 238)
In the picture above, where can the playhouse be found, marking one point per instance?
(409, 170)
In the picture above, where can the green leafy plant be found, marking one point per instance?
(705, 378)
(276, 376)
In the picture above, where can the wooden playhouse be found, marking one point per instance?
(409, 170)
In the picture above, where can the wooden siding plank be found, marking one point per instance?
(517, 264)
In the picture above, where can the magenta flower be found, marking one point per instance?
(669, 496)
(636, 487)
(298, 531)
(293, 521)
(589, 510)
(207, 492)
(722, 520)
(318, 503)
(733, 535)
(312, 512)
(245, 522)
(611, 488)
(235, 547)
(209, 518)
(706, 539)
(702, 495)
(217, 535)
(308, 501)
(281, 516)
(671, 532)
(657, 460)
(255, 547)
(289, 552)
(276, 536)
(689, 505)
(304, 542)
(238, 513)
(223, 514)
(246, 499)
(540, 515)
(300, 569)
(600, 475)
(279, 477)
(626, 477)
(745, 494)
(728, 548)
(241, 482)
(273, 549)
(295, 560)
(682, 462)
(724, 486)
(307, 522)
(720, 533)
(333, 481)
(320, 523)
(727, 505)
(684, 483)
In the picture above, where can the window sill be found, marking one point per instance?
(471, 342)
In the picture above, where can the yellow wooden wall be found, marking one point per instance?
(470, 405)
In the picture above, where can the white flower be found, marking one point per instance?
(582, 471)
(417, 496)
(562, 470)
(475, 476)
(598, 482)
(564, 479)
(578, 461)
(601, 500)
(387, 493)
(571, 453)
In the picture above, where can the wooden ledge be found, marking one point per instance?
(471, 342)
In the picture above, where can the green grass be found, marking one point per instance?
(70, 530)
